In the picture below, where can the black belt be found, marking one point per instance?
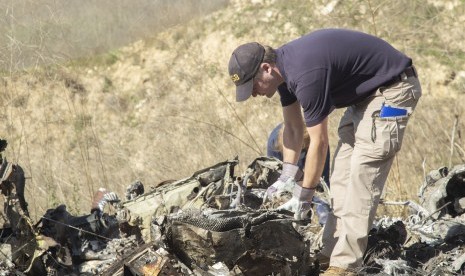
(407, 73)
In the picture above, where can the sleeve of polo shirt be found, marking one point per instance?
(287, 98)
(313, 95)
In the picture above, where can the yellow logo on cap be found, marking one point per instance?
(235, 78)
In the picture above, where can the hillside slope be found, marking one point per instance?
(163, 108)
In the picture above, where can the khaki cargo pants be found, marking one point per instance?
(367, 146)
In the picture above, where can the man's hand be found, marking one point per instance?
(300, 204)
(286, 181)
(278, 187)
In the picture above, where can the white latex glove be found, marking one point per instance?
(285, 182)
(300, 204)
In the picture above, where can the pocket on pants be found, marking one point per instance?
(387, 136)
(403, 94)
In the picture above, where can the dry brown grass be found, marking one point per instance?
(163, 108)
(41, 32)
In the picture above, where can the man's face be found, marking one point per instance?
(264, 83)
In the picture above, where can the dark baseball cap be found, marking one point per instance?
(243, 66)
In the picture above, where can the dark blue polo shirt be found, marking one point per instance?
(335, 68)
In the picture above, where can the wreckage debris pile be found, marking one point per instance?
(217, 223)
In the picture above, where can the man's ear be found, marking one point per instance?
(266, 67)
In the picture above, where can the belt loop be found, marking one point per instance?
(403, 76)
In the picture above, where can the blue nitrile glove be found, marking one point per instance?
(300, 204)
(322, 209)
(286, 181)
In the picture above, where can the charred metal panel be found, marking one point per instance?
(194, 191)
(236, 238)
